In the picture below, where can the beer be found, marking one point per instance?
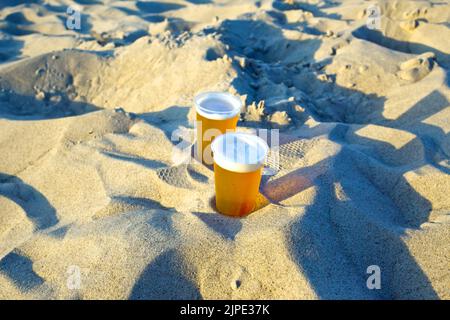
(238, 161)
(217, 113)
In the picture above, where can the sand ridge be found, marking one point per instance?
(88, 181)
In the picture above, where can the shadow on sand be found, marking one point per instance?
(157, 7)
(338, 236)
(13, 3)
(165, 278)
(336, 240)
(19, 269)
(34, 204)
(20, 107)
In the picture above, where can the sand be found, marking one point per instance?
(95, 204)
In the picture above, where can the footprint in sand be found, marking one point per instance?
(181, 176)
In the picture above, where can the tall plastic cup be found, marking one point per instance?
(238, 161)
(217, 113)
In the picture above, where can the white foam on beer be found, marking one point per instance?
(217, 105)
(239, 152)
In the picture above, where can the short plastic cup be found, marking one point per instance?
(217, 113)
(238, 161)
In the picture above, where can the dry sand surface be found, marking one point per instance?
(88, 181)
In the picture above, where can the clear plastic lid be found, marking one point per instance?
(239, 152)
(217, 105)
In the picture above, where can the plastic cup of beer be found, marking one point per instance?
(217, 113)
(238, 162)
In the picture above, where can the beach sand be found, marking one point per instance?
(95, 204)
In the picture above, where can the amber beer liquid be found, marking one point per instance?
(217, 113)
(238, 161)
